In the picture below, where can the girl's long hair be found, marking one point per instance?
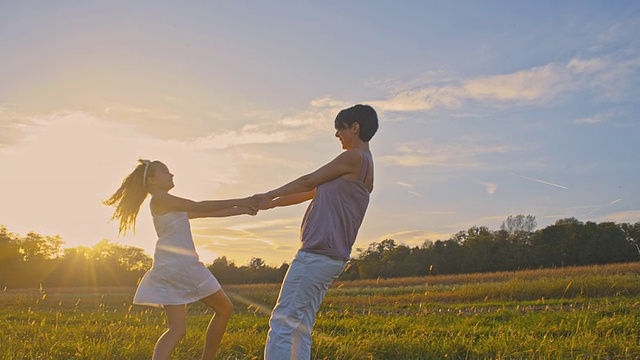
(130, 196)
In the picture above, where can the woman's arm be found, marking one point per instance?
(287, 200)
(238, 210)
(348, 162)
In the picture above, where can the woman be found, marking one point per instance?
(340, 192)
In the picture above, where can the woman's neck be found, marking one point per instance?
(360, 145)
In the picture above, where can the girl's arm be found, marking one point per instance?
(348, 162)
(163, 202)
(238, 210)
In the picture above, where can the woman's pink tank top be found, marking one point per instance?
(333, 218)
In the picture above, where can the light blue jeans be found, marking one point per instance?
(292, 319)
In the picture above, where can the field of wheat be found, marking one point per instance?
(571, 313)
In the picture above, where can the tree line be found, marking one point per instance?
(35, 260)
(515, 246)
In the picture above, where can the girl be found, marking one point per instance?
(177, 276)
(339, 193)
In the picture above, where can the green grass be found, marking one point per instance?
(575, 313)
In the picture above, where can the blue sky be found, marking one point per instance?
(487, 110)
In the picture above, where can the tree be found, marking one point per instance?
(479, 250)
(256, 263)
(632, 235)
(446, 256)
(395, 262)
(226, 271)
(129, 258)
(515, 238)
(35, 247)
(10, 258)
(607, 243)
(519, 223)
(558, 244)
(371, 263)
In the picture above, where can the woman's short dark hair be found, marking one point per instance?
(363, 115)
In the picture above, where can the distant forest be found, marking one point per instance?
(38, 260)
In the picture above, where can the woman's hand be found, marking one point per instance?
(251, 202)
(245, 210)
(264, 201)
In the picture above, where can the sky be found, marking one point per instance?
(487, 109)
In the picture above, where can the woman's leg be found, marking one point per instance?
(283, 321)
(223, 307)
(322, 272)
(177, 318)
(303, 289)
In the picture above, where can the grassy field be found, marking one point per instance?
(572, 313)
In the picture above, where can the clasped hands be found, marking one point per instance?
(257, 202)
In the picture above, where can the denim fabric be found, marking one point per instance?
(292, 319)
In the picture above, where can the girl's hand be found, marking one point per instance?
(265, 201)
(251, 202)
(266, 204)
(246, 210)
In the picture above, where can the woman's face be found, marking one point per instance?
(346, 135)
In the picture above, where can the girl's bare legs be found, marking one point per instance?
(223, 307)
(177, 318)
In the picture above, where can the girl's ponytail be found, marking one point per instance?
(130, 196)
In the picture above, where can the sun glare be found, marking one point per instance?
(68, 163)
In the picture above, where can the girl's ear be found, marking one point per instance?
(356, 127)
(151, 180)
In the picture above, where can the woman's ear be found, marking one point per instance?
(356, 127)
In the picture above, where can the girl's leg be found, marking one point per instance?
(177, 318)
(223, 307)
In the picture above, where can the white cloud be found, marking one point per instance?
(594, 119)
(614, 202)
(12, 124)
(234, 138)
(328, 102)
(580, 66)
(490, 188)
(403, 184)
(525, 86)
(621, 33)
(630, 216)
(532, 86)
(463, 153)
(312, 120)
(423, 99)
(296, 127)
(409, 188)
(540, 181)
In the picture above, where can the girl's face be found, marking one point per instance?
(347, 134)
(162, 178)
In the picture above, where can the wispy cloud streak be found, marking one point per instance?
(540, 181)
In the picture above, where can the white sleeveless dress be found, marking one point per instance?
(177, 276)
